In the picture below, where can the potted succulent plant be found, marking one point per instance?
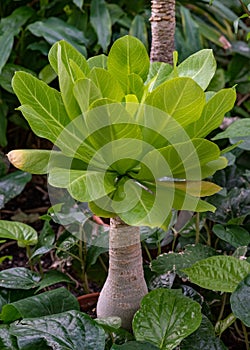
(129, 139)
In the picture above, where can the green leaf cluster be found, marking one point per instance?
(130, 132)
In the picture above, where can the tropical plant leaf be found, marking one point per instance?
(12, 185)
(135, 345)
(71, 330)
(240, 128)
(86, 88)
(220, 273)
(98, 61)
(240, 300)
(183, 99)
(24, 234)
(7, 341)
(101, 21)
(44, 304)
(127, 56)
(178, 261)
(165, 318)
(203, 338)
(19, 278)
(55, 29)
(213, 113)
(234, 234)
(200, 66)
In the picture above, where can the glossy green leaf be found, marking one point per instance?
(178, 261)
(53, 277)
(19, 278)
(235, 235)
(203, 338)
(240, 128)
(213, 113)
(46, 118)
(71, 330)
(220, 273)
(183, 99)
(47, 74)
(189, 160)
(24, 234)
(86, 92)
(135, 345)
(54, 29)
(7, 341)
(60, 56)
(84, 186)
(127, 56)
(9, 27)
(240, 301)
(47, 303)
(106, 84)
(101, 21)
(165, 318)
(159, 72)
(138, 29)
(200, 66)
(98, 61)
(12, 185)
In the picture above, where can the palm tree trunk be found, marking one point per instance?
(125, 285)
(163, 29)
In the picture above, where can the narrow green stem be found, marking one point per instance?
(145, 247)
(245, 335)
(159, 248)
(224, 298)
(70, 254)
(28, 253)
(175, 238)
(208, 234)
(102, 263)
(82, 256)
(40, 268)
(222, 325)
(197, 228)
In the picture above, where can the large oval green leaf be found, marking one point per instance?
(181, 98)
(165, 318)
(127, 56)
(240, 301)
(48, 303)
(24, 234)
(200, 66)
(70, 330)
(220, 273)
(7, 341)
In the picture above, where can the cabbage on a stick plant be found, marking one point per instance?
(130, 141)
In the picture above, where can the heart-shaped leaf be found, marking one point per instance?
(165, 318)
(24, 234)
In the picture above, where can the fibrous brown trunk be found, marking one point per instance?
(163, 29)
(125, 285)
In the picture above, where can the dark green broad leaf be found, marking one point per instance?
(165, 318)
(127, 56)
(24, 234)
(54, 29)
(138, 29)
(7, 341)
(71, 330)
(240, 301)
(234, 234)
(9, 27)
(177, 261)
(45, 242)
(8, 73)
(12, 185)
(52, 277)
(8, 296)
(240, 128)
(3, 129)
(203, 338)
(19, 278)
(101, 22)
(220, 273)
(48, 303)
(135, 345)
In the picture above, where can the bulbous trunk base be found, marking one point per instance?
(125, 285)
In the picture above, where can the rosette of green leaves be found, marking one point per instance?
(129, 134)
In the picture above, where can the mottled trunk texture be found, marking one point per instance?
(163, 29)
(125, 285)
